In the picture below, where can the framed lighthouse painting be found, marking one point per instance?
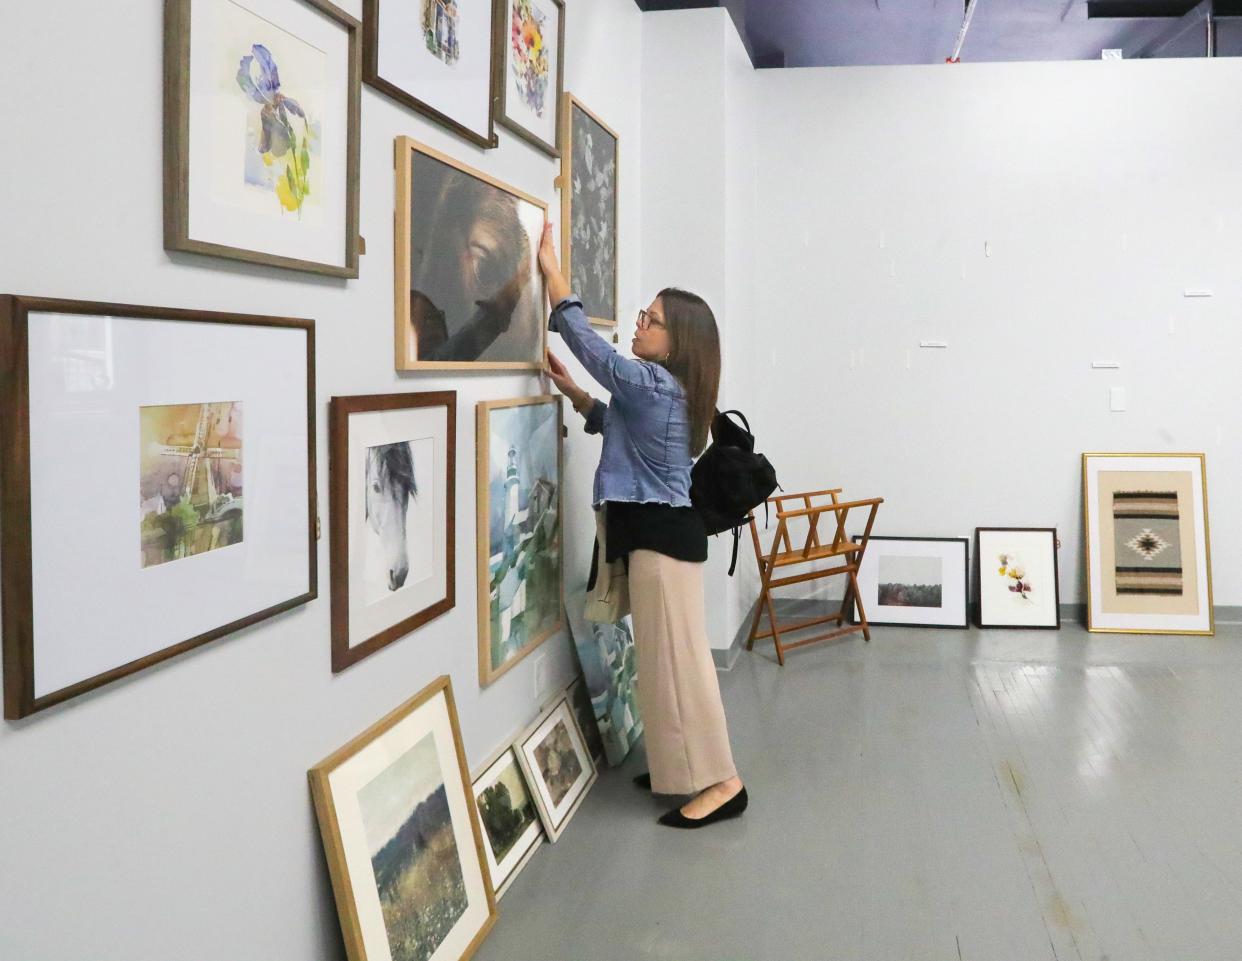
(518, 463)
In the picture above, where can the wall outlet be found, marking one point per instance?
(543, 676)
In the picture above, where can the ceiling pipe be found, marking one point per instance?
(961, 34)
(1200, 13)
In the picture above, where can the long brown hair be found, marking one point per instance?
(693, 358)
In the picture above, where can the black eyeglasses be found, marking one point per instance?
(646, 320)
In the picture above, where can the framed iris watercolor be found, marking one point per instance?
(588, 182)
(609, 679)
(914, 581)
(402, 838)
(530, 44)
(511, 828)
(518, 476)
(1149, 561)
(469, 293)
(435, 57)
(261, 124)
(188, 486)
(557, 765)
(392, 478)
(1016, 581)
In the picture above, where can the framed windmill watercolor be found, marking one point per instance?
(518, 465)
(1149, 561)
(262, 103)
(176, 451)
(512, 832)
(557, 765)
(590, 162)
(530, 70)
(1016, 577)
(402, 838)
(392, 479)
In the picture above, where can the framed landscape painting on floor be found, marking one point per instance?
(589, 165)
(392, 479)
(530, 55)
(558, 766)
(261, 132)
(511, 828)
(469, 292)
(914, 581)
(158, 477)
(1149, 561)
(402, 837)
(1017, 581)
(519, 529)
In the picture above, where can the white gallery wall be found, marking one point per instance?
(167, 816)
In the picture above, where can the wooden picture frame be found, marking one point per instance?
(342, 468)
(531, 837)
(501, 77)
(958, 594)
(372, 75)
(556, 729)
(523, 548)
(86, 351)
(520, 345)
(1014, 573)
(348, 814)
(593, 302)
(180, 191)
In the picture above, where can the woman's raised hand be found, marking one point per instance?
(548, 262)
(559, 374)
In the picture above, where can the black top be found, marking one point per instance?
(676, 532)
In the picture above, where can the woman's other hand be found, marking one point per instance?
(559, 374)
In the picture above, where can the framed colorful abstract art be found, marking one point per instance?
(1149, 561)
(518, 467)
(402, 838)
(392, 479)
(469, 293)
(158, 478)
(435, 57)
(914, 581)
(609, 679)
(558, 766)
(261, 124)
(530, 58)
(511, 828)
(588, 182)
(1016, 580)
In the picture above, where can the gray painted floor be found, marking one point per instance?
(983, 796)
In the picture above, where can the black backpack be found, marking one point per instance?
(730, 479)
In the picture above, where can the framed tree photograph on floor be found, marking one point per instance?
(158, 477)
(512, 831)
(392, 482)
(557, 765)
(261, 132)
(530, 63)
(590, 161)
(518, 473)
(1016, 577)
(402, 838)
(1149, 560)
(914, 581)
(469, 292)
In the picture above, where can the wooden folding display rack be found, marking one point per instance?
(783, 554)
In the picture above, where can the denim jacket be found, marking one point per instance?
(646, 425)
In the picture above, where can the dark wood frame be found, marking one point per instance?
(177, 147)
(339, 411)
(565, 183)
(965, 541)
(1056, 577)
(500, 45)
(371, 77)
(334, 847)
(16, 575)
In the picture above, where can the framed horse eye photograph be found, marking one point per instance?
(391, 479)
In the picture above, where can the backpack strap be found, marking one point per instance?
(737, 536)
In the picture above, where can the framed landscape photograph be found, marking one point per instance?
(530, 69)
(1017, 583)
(262, 103)
(469, 292)
(435, 57)
(158, 478)
(512, 831)
(558, 766)
(402, 837)
(1149, 561)
(914, 581)
(392, 481)
(610, 677)
(518, 465)
(588, 182)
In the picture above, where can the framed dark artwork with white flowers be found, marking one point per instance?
(261, 122)
(530, 73)
(1016, 577)
(588, 182)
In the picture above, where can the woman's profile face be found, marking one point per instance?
(651, 342)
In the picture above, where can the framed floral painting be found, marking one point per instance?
(261, 125)
(914, 581)
(558, 766)
(589, 164)
(1149, 561)
(530, 69)
(1016, 580)
(512, 832)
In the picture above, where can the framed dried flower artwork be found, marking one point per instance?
(530, 55)
(1017, 583)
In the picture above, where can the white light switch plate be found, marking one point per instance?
(541, 675)
(1116, 398)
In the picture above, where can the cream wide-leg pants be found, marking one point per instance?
(678, 694)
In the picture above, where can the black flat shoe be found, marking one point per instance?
(643, 780)
(730, 809)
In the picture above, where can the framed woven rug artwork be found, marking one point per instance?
(1148, 552)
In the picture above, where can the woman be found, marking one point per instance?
(659, 416)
